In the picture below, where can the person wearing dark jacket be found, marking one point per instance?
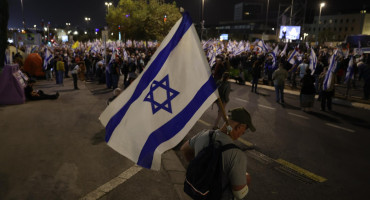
(308, 91)
(256, 73)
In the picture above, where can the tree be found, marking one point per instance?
(4, 17)
(142, 19)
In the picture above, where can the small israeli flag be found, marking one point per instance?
(328, 81)
(349, 73)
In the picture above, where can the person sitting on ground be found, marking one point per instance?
(116, 92)
(32, 94)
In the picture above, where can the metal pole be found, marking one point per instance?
(291, 12)
(23, 21)
(267, 12)
(318, 25)
(202, 21)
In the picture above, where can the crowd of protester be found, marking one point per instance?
(251, 64)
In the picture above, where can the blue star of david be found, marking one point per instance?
(171, 94)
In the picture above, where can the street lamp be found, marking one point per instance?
(87, 19)
(321, 6)
(108, 4)
(319, 23)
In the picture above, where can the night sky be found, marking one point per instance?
(75, 11)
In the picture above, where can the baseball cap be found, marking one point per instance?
(242, 116)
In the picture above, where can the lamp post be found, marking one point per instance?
(319, 23)
(321, 6)
(267, 12)
(108, 4)
(202, 21)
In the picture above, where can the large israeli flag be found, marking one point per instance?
(161, 106)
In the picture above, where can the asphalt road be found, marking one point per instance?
(55, 149)
(333, 146)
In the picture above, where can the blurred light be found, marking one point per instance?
(69, 32)
(55, 29)
(112, 34)
(322, 4)
(10, 40)
(85, 32)
(75, 33)
(45, 29)
(247, 13)
(96, 33)
(96, 30)
(34, 26)
(273, 29)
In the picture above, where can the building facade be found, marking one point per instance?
(335, 28)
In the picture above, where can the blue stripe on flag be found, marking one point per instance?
(149, 75)
(175, 125)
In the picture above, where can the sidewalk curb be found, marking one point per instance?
(336, 101)
(176, 171)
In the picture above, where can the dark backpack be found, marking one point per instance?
(204, 174)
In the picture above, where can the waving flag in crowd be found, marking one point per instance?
(284, 50)
(349, 73)
(47, 58)
(329, 75)
(261, 44)
(313, 61)
(274, 54)
(141, 123)
(291, 58)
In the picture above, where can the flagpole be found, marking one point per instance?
(223, 110)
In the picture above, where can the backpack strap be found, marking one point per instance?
(229, 146)
(211, 140)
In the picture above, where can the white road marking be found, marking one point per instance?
(335, 126)
(241, 100)
(271, 108)
(109, 186)
(298, 116)
(205, 123)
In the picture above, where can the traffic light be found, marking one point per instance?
(165, 18)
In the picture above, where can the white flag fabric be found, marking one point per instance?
(161, 106)
(291, 58)
(284, 50)
(263, 46)
(47, 58)
(274, 54)
(313, 61)
(349, 73)
(330, 73)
